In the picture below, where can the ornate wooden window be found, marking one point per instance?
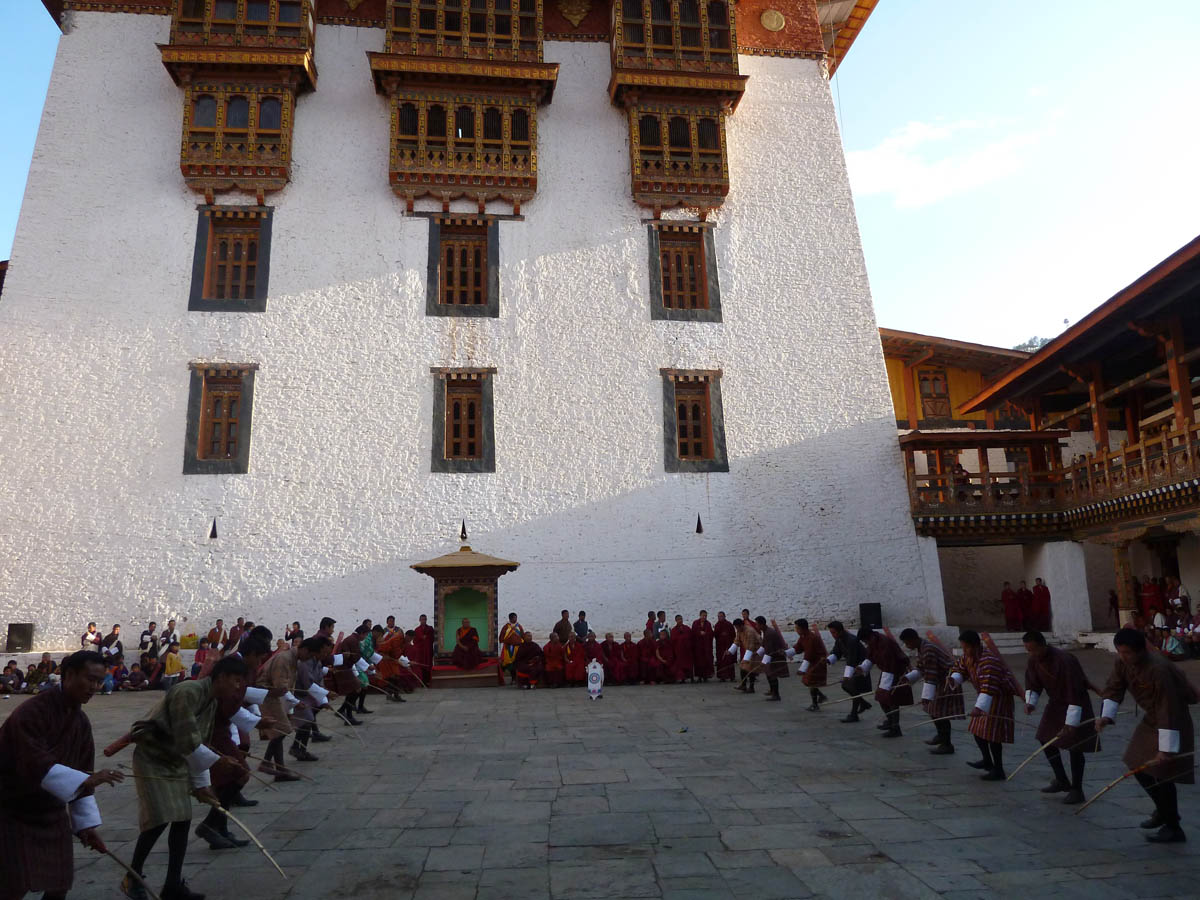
(474, 29)
(463, 422)
(452, 143)
(678, 154)
(244, 23)
(935, 394)
(220, 401)
(683, 272)
(236, 136)
(463, 277)
(231, 261)
(694, 425)
(678, 35)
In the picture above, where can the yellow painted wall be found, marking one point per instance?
(963, 383)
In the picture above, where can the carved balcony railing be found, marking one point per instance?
(265, 24)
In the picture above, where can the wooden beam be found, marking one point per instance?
(910, 391)
(1099, 413)
(1177, 372)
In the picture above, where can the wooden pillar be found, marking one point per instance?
(1126, 602)
(1099, 413)
(989, 419)
(985, 492)
(1177, 372)
(910, 391)
(1131, 420)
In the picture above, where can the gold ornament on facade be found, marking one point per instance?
(353, 4)
(772, 20)
(574, 11)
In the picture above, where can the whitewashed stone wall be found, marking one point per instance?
(99, 523)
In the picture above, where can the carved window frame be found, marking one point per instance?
(711, 286)
(629, 16)
(434, 268)
(204, 377)
(718, 461)
(433, 34)
(485, 461)
(210, 218)
(219, 134)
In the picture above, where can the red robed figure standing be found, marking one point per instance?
(681, 649)
(1012, 608)
(466, 653)
(1041, 606)
(422, 655)
(724, 635)
(631, 657)
(702, 647)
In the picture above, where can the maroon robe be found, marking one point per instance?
(1060, 677)
(1041, 607)
(649, 668)
(1025, 602)
(576, 663)
(702, 648)
(811, 649)
(422, 652)
(467, 656)
(890, 659)
(594, 650)
(724, 635)
(665, 656)
(529, 662)
(631, 657)
(614, 663)
(1012, 609)
(555, 657)
(36, 840)
(681, 649)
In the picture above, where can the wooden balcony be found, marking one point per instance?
(265, 24)
(1158, 477)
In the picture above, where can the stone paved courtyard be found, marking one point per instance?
(680, 793)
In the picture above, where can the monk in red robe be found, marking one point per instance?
(631, 658)
(702, 647)
(614, 661)
(1025, 603)
(576, 673)
(1012, 608)
(681, 648)
(664, 651)
(1041, 606)
(649, 666)
(528, 662)
(724, 634)
(422, 655)
(555, 656)
(593, 649)
(466, 653)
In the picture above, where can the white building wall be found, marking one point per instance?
(972, 579)
(99, 523)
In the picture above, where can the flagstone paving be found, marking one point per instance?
(678, 793)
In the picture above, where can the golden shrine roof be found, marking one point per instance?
(464, 558)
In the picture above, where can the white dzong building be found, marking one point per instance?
(300, 286)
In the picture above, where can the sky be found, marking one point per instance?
(1013, 165)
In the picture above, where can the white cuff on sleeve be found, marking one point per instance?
(1074, 716)
(804, 666)
(913, 677)
(362, 665)
(338, 659)
(831, 660)
(1168, 740)
(984, 702)
(865, 665)
(84, 813)
(200, 760)
(1032, 698)
(790, 653)
(958, 677)
(1108, 709)
(848, 672)
(255, 695)
(762, 651)
(376, 659)
(319, 694)
(291, 699)
(324, 670)
(234, 734)
(406, 662)
(929, 691)
(201, 779)
(766, 660)
(886, 680)
(732, 651)
(748, 656)
(63, 782)
(244, 720)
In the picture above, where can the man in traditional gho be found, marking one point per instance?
(171, 763)
(354, 652)
(1162, 744)
(684, 666)
(749, 644)
(512, 636)
(528, 662)
(1068, 718)
(850, 652)
(702, 647)
(630, 657)
(813, 668)
(991, 719)
(46, 785)
(724, 635)
(312, 694)
(563, 627)
(774, 656)
(941, 697)
(895, 687)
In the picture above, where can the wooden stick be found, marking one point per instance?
(1031, 756)
(968, 716)
(132, 874)
(1112, 784)
(870, 693)
(250, 834)
(283, 768)
(1095, 735)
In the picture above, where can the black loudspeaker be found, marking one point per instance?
(20, 637)
(870, 615)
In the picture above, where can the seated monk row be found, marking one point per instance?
(556, 664)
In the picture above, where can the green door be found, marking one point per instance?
(465, 603)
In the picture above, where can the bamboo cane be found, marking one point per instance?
(968, 716)
(870, 693)
(250, 834)
(1112, 784)
(281, 768)
(132, 874)
(1094, 736)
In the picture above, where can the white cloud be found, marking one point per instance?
(923, 163)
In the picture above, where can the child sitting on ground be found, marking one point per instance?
(136, 680)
